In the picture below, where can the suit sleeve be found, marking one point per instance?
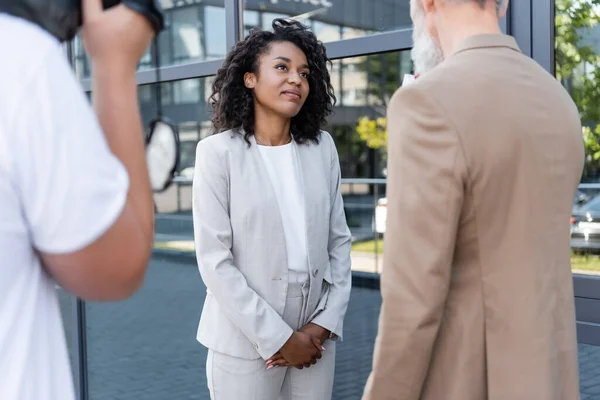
(426, 178)
(259, 322)
(340, 241)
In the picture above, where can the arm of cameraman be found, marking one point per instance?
(111, 263)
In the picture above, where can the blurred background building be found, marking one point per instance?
(145, 348)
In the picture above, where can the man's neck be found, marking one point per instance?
(459, 22)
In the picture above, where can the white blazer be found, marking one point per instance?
(241, 250)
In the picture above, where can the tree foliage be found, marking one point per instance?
(383, 73)
(578, 69)
(373, 132)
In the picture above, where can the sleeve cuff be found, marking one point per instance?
(326, 322)
(275, 345)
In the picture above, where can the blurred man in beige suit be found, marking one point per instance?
(485, 158)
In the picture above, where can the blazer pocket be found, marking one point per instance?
(327, 274)
(325, 286)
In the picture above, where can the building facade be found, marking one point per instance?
(369, 41)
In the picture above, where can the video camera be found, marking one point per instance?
(63, 18)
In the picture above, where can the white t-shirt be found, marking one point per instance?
(284, 172)
(60, 189)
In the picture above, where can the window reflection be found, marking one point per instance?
(364, 86)
(332, 19)
(184, 103)
(214, 20)
(577, 67)
(194, 31)
(577, 55)
(185, 28)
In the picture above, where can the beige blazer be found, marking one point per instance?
(485, 157)
(241, 250)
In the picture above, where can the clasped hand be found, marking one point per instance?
(302, 349)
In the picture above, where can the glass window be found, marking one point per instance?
(268, 17)
(145, 347)
(186, 92)
(186, 30)
(194, 31)
(67, 304)
(592, 206)
(364, 86)
(145, 94)
(335, 19)
(326, 32)
(81, 60)
(184, 103)
(251, 20)
(577, 55)
(216, 45)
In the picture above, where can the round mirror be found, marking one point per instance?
(162, 154)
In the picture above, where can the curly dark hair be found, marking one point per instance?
(233, 102)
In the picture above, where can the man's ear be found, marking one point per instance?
(250, 80)
(504, 10)
(428, 5)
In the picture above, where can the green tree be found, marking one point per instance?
(384, 72)
(373, 132)
(577, 68)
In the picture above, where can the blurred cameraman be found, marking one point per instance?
(75, 198)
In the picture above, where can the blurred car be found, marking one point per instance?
(579, 200)
(380, 215)
(585, 227)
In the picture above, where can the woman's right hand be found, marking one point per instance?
(302, 350)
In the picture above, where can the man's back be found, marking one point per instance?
(32, 344)
(60, 189)
(511, 277)
(485, 283)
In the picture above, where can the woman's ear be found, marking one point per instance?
(250, 80)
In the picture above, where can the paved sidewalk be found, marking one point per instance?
(363, 262)
(145, 348)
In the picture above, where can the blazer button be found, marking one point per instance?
(315, 272)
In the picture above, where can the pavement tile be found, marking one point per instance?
(145, 348)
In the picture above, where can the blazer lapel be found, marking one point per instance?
(309, 173)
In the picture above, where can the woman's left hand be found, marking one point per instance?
(315, 330)
(311, 329)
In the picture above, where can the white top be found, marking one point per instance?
(284, 172)
(60, 189)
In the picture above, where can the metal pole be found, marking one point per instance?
(375, 194)
(234, 22)
(520, 24)
(542, 35)
(81, 340)
(178, 197)
(80, 335)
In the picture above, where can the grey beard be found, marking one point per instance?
(426, 54)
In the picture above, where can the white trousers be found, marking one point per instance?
(231, 378)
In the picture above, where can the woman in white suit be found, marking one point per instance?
(272, 242)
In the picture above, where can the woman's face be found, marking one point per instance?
(281, 84)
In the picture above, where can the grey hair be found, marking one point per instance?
(500, 4)
(417, 7)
